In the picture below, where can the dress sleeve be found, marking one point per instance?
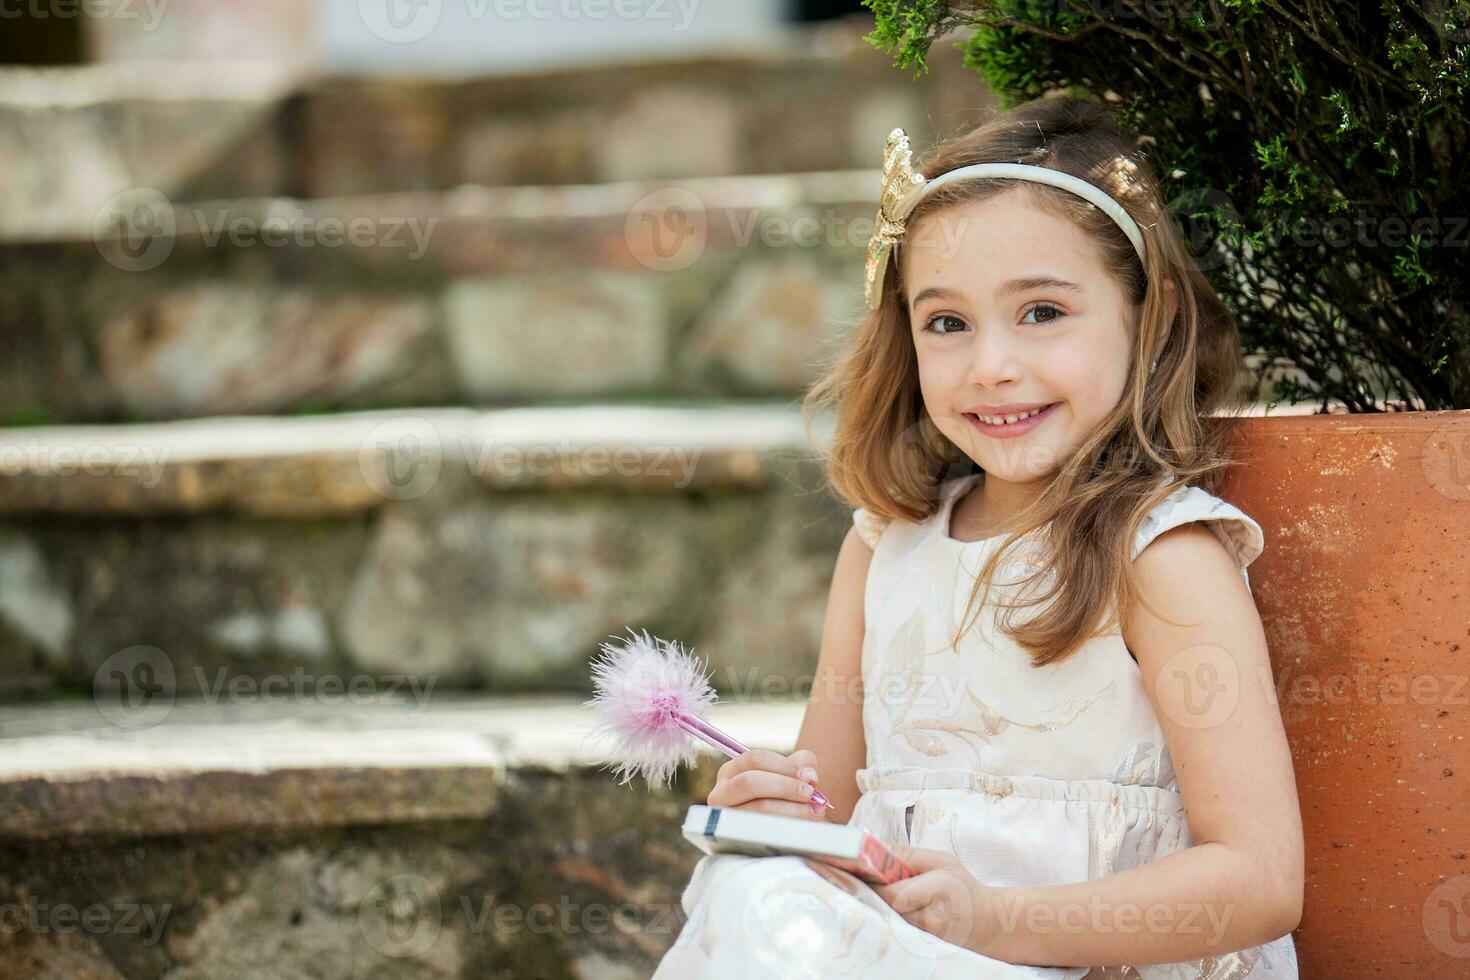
(1241, 535)
(869, 526)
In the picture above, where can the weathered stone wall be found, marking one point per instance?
(567, 876)
(512, 546)
(463, 837)
(439, 301)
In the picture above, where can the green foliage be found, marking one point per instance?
(28, 414)
(1319, 147)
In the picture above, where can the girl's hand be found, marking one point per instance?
(945, 899)
(768, 782)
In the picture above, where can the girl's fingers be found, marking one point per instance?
(909, 895)
(755, 784)
(931, 902)
(923, 859)
(757, 759)
(781, 808)
(768, 761)
(768, 782)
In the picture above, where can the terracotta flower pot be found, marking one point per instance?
(1364, 590)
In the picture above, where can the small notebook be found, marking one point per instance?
(719, 830)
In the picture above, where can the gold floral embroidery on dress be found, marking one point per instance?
(1231, 966)
(931, 745)
(1107, 838)
(921, 738)
(901, 672)
(920, 734)
(992, 785)
(993, 722)
(1141, 761)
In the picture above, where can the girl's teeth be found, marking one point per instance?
(1007, 420)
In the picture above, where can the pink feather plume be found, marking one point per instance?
(641, 685)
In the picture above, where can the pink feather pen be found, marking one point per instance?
(651, 697)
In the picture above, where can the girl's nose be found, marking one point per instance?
(992, 359)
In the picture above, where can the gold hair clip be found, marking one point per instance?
(899, 180)
(903, 188)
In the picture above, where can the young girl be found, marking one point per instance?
(1066, 721)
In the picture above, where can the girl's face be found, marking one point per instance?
(1009, 305)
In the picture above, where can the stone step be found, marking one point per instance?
(489, 550)
(444, 837)
(73, 137)
(814, 97)
(62, 759)
(717, 287)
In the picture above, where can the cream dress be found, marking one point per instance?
(1029, 776)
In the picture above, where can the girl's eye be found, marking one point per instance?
(929, 324)
(1055, 315)
(1046, 306)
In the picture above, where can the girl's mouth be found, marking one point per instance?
(1011, 430)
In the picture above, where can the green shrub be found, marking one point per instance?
(1314, 153)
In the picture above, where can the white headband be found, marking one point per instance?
(903, 188)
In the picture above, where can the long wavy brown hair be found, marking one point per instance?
(1173, 426)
